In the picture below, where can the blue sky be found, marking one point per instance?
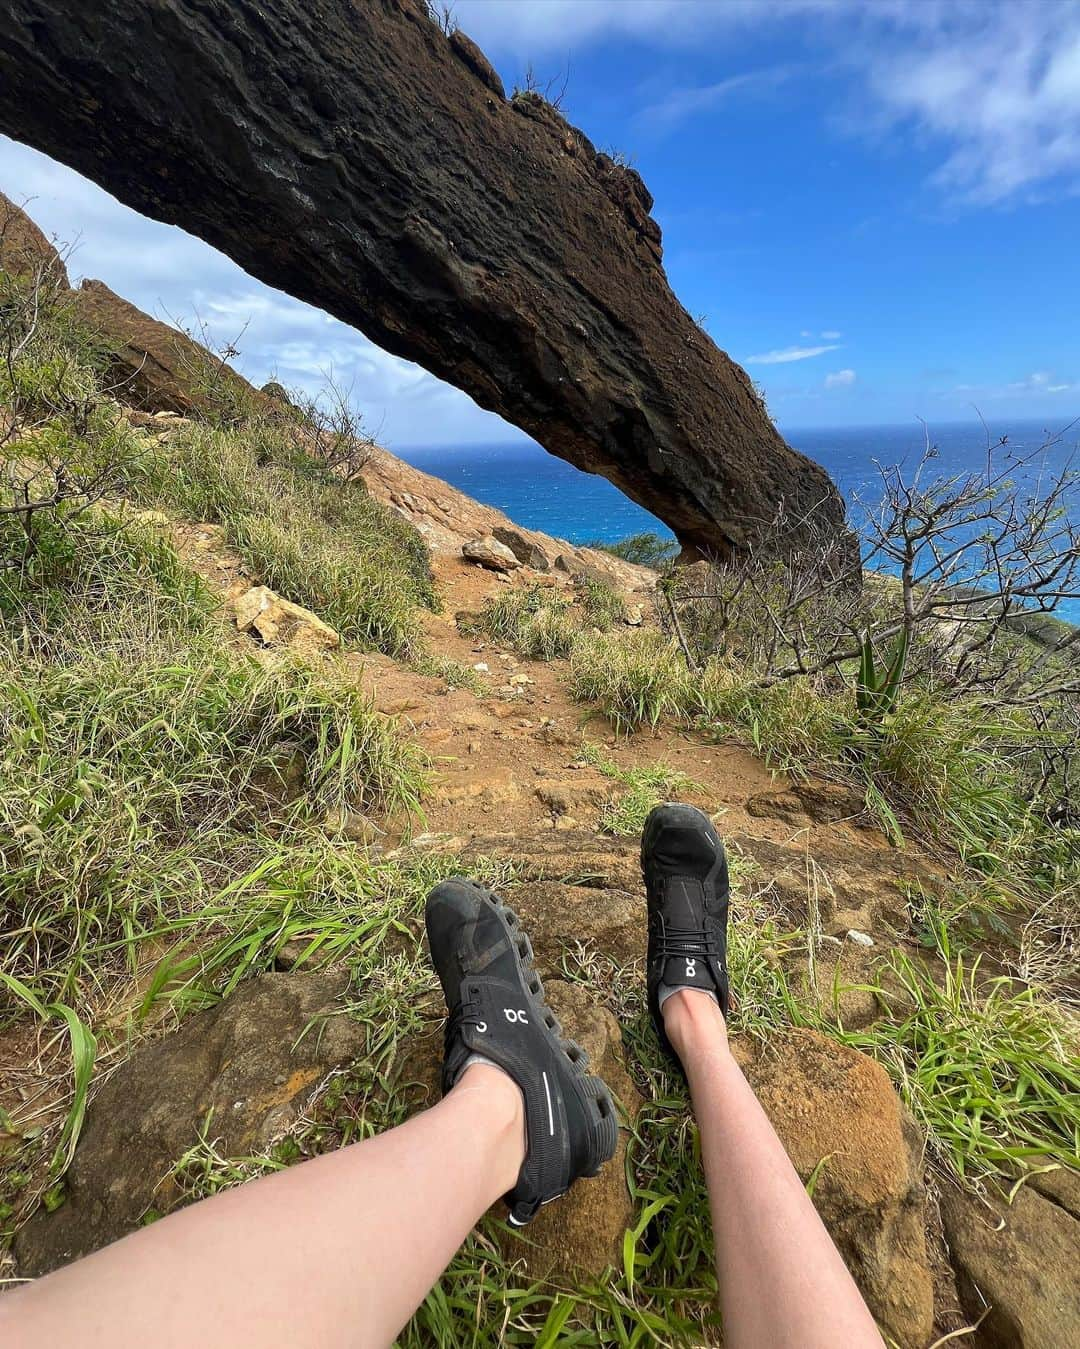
(875, 206)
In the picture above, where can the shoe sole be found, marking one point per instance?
(591, 1092)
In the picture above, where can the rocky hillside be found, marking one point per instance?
(251, 709)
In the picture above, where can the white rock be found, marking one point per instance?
(860, 938)
(489, 552)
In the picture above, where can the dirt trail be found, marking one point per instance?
(508, 779)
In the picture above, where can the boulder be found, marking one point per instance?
(1020, 1260)
(560, 916)
(483, 238)
(837, 1115)
(490, 553)
(155, 366)
(242, 1072)
(527, 551)
(24, 249)
(278, 622)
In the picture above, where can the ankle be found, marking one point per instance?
(503, 1113)
(694, 1023)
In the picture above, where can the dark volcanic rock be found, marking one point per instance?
(528, 553)
(353, 155)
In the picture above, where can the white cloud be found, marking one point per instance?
(680, 103)
(840, 379)
(785, 354)
(831, 335)
(175, 276)
(1040, 382)
(992, 86)
(997, 84)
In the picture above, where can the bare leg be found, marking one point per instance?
(782, 1282)
(338, 1251)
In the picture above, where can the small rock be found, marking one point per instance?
(634, 616)
(274, 619)
(353, 825)
(520, 679)
(481, 667)
(490, 553)
(527, 553)
(860, 938)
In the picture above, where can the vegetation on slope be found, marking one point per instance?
(165, 830)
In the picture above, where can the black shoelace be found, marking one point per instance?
(466, 1013)
(692, 945)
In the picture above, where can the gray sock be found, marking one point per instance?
(664, 991)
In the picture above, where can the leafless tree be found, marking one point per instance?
(962, 576)
(332, 430)
(63, 439)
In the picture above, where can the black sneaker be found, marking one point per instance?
(686, 881)
(497, 1009)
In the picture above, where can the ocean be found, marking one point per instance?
(542, 492)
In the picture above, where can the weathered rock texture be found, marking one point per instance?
(448, 519)
(243, 1070)
(837, 1114)
(153, 365)
(1019, 1260)
(24, 249)
(356, 157)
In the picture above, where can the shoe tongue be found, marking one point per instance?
(684, 905)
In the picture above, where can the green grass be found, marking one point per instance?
(602, 606)
(988, 1067)
(646, 550)
(646, 787)
(317, 540)
(537, 621)
(169, 755)
(636, 678)
(951, 772)
(542, 623)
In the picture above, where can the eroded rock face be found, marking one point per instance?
(248, 1066)
(1020, 1260)
(835, 1106)
(357, 158)
(155, 366)
(24, 249)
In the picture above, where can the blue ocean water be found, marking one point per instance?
(542, 492)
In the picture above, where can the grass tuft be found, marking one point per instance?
(318, 540)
